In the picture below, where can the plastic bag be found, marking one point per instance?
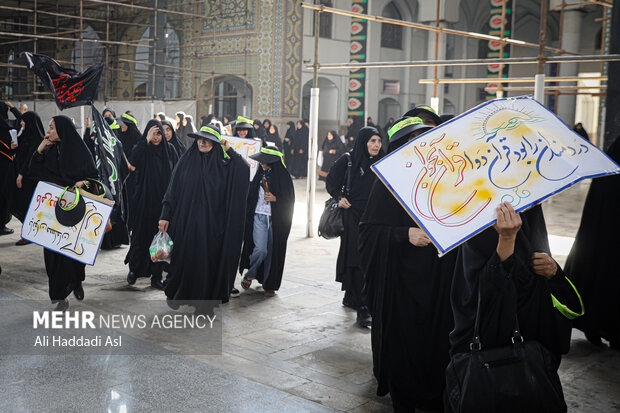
(161, 248)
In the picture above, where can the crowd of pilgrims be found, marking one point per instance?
(421, 308)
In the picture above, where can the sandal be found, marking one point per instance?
(245, 284)
(270, 293)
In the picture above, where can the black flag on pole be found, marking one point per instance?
(69, 87)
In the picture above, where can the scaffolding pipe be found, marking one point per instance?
(430, 28)
(468, 62)
(509, 80)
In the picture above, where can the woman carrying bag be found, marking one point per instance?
(366, 151)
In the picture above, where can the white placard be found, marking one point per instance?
(245, 148)
(451, 179)
(80, 242)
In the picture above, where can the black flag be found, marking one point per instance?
(69, 87)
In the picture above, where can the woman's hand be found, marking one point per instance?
(301, 151)
(45, 143)
(79, 184)
(332, 151)
(344, 203)
(18, 181)
(544, 265)
(507, 226)
(151, 133)
(14, 145)
(269, 197)
(9, 104)
(225, 144)
(418, 237)
(163, 225)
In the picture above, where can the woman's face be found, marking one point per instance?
(156, 138)
(168, 132)
(330, 136)
(265, 166)
(256, 126)
(272, 130)
(204, 145)
(374, 145)
(184, 121)
(178, 119)
(124, 127)
(242, 132)
(107, 114)
(299, 125)
(52, 133)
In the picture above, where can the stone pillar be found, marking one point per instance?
(571, 33)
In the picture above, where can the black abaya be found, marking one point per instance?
(154, 164)
(64, 164)
(205, 206)
(28, 141)
(174, 141)
(273, 139)
(348, 266)
(287, 144)
(7, 178)
(591, 263)
(300, 148)
(280, 185)
(329, 159)
(408, 293)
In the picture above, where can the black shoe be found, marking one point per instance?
(6, 231)
(131, 278)
(234, 293)
(78, 292)
(172, 304)
(62, 305)
(363, 317)
(23, 242)
(157, 284)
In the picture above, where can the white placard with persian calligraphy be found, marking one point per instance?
(245, 148)
(80, 242)
(451, 178)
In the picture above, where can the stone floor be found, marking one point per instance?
(297, 352)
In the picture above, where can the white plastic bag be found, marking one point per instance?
(161, 248)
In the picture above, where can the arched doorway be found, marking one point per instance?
(143, 75)
(229, 96)
(388, 108)
(329, 106)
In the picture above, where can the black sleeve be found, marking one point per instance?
(138, 154)
(16, 113)
(336, 176)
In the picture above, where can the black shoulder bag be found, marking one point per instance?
(331, 224)
(521, 377)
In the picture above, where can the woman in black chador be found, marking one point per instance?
(30, 138)
(269, 215)
(154, 160)
(204, 212)
(332, 149)
(510, 266)
(273, 137)
(63, 159)
(367, 151)
(408, 293)
(129, 137)
(299, 168)
(592, 260)
(287, 144)
(7, 150)
(172, 138)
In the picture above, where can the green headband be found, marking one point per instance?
(274, 153)
(129, 118)
(114, 125)
(241, 119)
(211, 131)
(427, 108)
(563, 309)
(403, 124)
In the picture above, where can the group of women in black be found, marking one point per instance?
(422, 308)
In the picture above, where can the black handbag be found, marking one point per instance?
(331, 224)
(521, 377)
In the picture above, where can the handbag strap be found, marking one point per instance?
(346, 186)
(476, 343)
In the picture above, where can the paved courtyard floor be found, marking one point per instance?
(299, 351)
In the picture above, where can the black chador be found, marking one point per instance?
(154, 164)
(175, 141)
(408, 293)
(29, 140)
(511, 287)
(7, 178)
(64, 163)
(287, 144)
(348, 266)
(299, 168)
(273, 138)
(205, 207)
(277, 181)
(332, 149)
(591, 263)
(129, 138)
